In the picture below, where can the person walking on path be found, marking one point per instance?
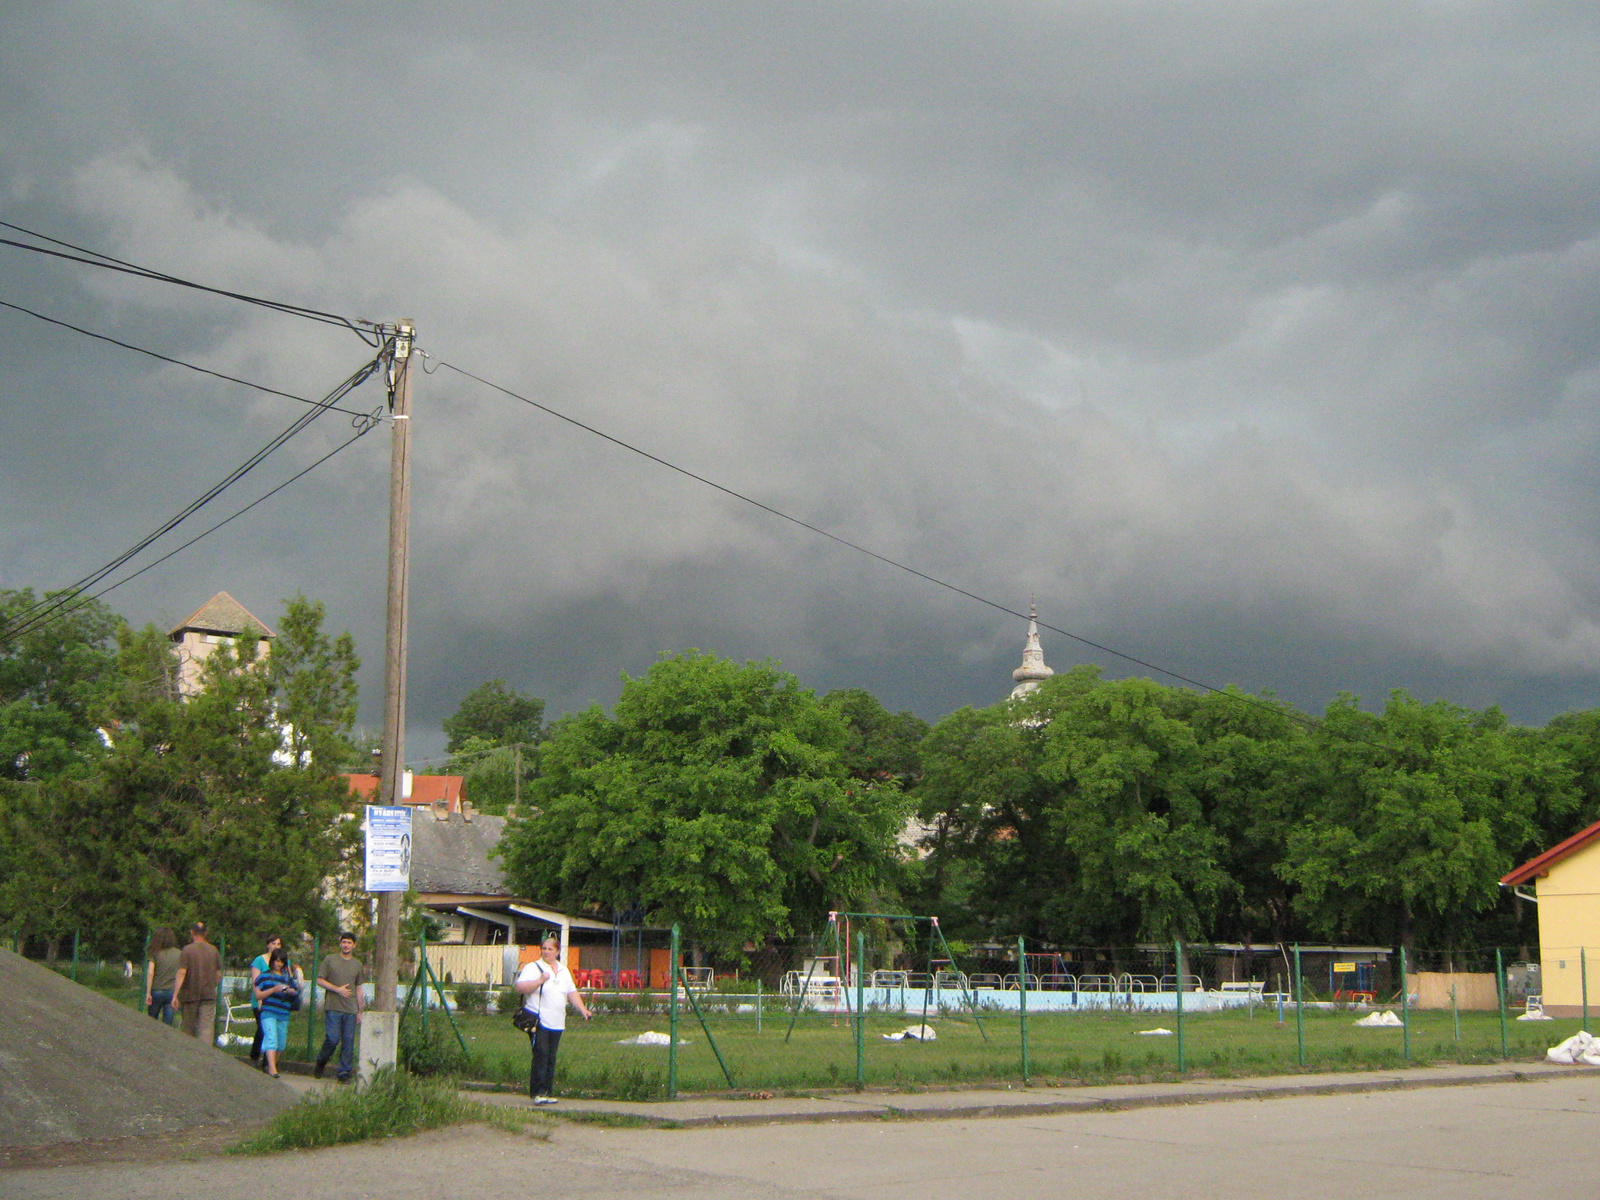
(161, 975)
(341, 976)
(195, 983)
(277, 995)
(257, 966)
(548, 986)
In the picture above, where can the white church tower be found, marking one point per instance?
(1033, 671)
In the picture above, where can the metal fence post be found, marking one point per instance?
(1583, 976)
(672, 1018)
(1022, 1004)
(311, 1004)
(1405, 1008)
(1178, 983)
(222, 966)
(861, 1017)
(1500, 999)
(422, 954)
(76, 932)
(1299, 1009)
(758, 1004)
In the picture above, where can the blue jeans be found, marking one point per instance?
(161, 1007)
(339, 1030)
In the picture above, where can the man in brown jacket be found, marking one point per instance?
(195, 988)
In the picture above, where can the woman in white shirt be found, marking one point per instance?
(547, 988)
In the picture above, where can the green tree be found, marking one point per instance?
(1253, 754)
(219, 806)
(493, 742)
(716, 796)
(879, 745)
(1083, 806)
(53, 682)
(495, 715)
(1413, 815)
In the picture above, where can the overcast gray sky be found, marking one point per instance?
(1257, 340)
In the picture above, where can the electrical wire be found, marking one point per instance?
(177, 362)
(873, 554)
(41, 612)
(371, 334)
(84, 601)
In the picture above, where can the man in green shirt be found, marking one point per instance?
(341, 976)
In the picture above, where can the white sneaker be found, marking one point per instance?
(544, 1100)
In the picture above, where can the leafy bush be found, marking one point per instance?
(434, 1051)
(472, 999)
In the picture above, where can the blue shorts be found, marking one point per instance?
(274, 1030)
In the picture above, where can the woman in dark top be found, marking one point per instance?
(160, 974)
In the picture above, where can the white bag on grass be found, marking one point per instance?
(1380, 1020)
(1572, 1050)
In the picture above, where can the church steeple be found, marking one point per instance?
(1033, 670)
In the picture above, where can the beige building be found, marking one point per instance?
(220, 620)
(1566, 882)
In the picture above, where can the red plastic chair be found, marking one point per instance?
(628, 980)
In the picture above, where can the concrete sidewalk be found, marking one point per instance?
(738, 1108)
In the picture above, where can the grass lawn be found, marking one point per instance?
(1063, 1048)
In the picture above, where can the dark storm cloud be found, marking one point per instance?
(1255, 340)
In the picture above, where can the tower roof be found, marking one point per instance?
(221, 614)
(1033, 670)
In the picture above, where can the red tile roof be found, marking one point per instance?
(1535, 867)
(425, 789)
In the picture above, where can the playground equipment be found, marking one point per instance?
(831, 984)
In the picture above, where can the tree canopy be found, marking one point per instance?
(225, 806)
(53, 683)
(716, 796)
(495, 715)
(493, 742)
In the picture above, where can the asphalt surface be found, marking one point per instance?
(1467, 1142)
(745, 1108)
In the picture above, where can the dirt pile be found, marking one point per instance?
(75, 1066)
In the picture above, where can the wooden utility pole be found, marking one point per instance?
(386, 972)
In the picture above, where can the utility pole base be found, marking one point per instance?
(380, 1045)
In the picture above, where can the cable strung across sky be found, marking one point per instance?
(372, 333)
(367, 331)
(61, 602)
(177, 362)
(860, 549)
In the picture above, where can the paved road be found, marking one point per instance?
(1464, 1143)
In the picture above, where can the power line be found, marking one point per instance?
(85, 600)
(178, 362)
(43, 611)
(371, 334)
(857, 547)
